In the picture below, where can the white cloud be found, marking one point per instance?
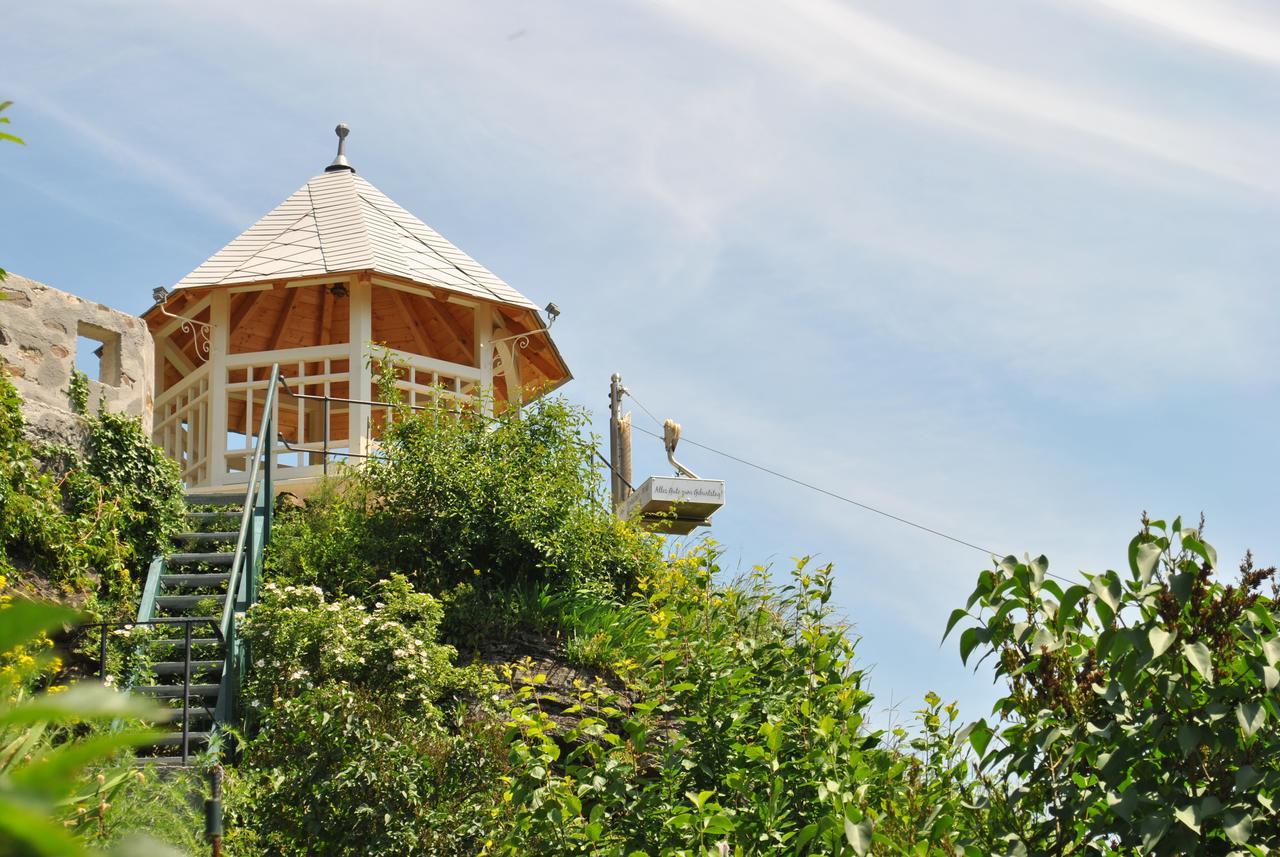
(1221, 25)
(836, 46)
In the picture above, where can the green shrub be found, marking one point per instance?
(742, 729)
(361, 745)
(89, 522)
(462, 498)
(1142, 708)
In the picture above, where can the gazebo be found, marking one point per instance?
(335, 277)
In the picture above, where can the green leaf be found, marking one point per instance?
(84, 701)
(23, 825)
(1160, 640)
(1188, 738)
(54, 772)
(1250, 716)
(980, 736)
(1153, 829)
(1125, 803)
(1271, 648)
(858, 835)
(1143, 558)
(1237, 823)
(806, 833)
(1198, 656)
(970, 640)
(24, 620)
(956, 615)
(1107, 589)
(1067, 608)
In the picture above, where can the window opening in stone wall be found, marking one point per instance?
(98, 353)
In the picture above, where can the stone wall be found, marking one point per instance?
(39, 327)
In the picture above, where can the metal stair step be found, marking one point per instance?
(221, 536)
(199, 499)
(181, 602)
(174, 691)
(162, 761)
(208, 558)
(213, 516)
(178, 667)
(174, 739)
(195, 641)
(194, 581)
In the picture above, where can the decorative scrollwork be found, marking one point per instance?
(200, 332)
(520, 339)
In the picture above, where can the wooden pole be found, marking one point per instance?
(615, 438)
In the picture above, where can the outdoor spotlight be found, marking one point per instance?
(159, 294)
(339, 290)
(553, 312)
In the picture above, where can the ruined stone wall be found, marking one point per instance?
(39, 326)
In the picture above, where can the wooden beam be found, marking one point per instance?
(178, 359)
(326, 318)
(243, 306)
(283, 321)
(420, 336)
(451, 326)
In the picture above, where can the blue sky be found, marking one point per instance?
(1003, 267)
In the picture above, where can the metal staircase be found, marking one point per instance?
(191, 657)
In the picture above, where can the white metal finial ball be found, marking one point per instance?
(342, 130)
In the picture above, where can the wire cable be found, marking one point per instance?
(831, 494)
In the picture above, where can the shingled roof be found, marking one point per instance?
(338, 222)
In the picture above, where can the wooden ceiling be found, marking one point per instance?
(284, 317)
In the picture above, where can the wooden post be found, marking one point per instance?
(484, 354)
(615, 439)
(361, 376)
(219, 347)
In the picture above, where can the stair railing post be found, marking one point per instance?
(102, 653)
(186, 691)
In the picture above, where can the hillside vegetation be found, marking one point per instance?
(460, 651)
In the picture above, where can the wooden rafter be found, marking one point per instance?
(420, 336)
(326, 317)
(282, 323)
(243, 307)
(450, 324)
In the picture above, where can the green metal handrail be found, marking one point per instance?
(260, 464)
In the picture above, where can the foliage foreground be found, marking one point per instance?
(460, 651)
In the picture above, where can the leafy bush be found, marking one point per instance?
(84, 521)
(460, 498)
(361, 744)
(742, 729)
(1141, 709)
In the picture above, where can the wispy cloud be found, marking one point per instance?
(1218, 24)
(869, 59)
(142, 163)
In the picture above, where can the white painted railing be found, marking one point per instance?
(308, 428)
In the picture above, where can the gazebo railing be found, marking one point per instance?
(312, 427)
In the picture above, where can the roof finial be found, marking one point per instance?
(340, 162)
